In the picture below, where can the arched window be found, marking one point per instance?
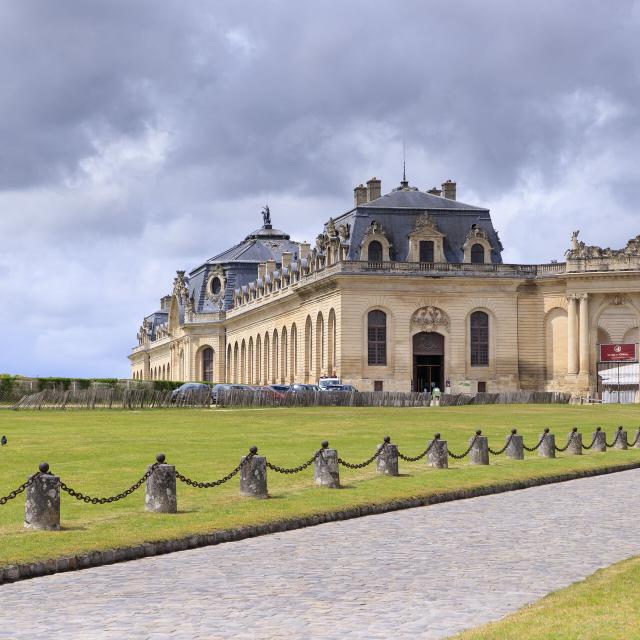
(377, 337)
(479, 324)
(374, 251)
(477, 254)
(207, 364)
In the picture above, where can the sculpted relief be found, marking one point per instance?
(429, 318)
(580, 251)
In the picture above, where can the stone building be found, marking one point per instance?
(402, 291)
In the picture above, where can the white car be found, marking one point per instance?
(326, 383)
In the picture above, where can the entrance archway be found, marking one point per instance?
(428, 361)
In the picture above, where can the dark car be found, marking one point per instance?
(189, 389)
(280, 388)
(223, 388)
(304, 388)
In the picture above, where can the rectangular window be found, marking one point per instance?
(482, 387)
(377, 385)
(426, 250)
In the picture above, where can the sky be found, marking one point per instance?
(140, 137)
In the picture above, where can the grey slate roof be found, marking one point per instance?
(414, 199)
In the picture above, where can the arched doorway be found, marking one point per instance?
(428, 361)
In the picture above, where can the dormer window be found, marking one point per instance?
(375, 251)
(426, 251)
(477, 254)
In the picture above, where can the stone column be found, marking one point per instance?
(479, 453)
(637, 440)
(160, 494)
(599, 440)
(575, 443)
(387, 462)
(42, 506)
(438, 455)
(584, 334)
(621, 439)
(253, 475)
(326, 471)
(572, 336)
(548, 447)
(515, 450)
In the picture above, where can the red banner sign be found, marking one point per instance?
(618, 352)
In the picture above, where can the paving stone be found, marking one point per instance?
(420, 573)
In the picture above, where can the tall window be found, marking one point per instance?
(426, 250)
(477, 254)
(207, 364)
(479, 323)
(377, 337)
(375, 251)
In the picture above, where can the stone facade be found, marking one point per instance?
(271, 310)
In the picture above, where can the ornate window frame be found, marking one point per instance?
(426, 229)
(476, 235)
(375, 232)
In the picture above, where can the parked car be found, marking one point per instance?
(280, 388)
(223, 388)
(347, 387)
(189, 388)
(325, 383)
(304, 388)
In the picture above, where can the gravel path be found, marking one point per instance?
(421, 573)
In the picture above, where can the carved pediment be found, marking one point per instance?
(617, 299)
(429, 318)
(476, 233)
(375, 229)
(425, 227)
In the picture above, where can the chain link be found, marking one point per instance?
(613, 444)
(366, 463)
(635, 442)
(532, 449)
(501, 451)
(293, 470)
(419, 456)
(214, 483)
(456, 456)
(16, 492)
(566, 446)
(78, 495)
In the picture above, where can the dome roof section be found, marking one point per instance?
(261, 245)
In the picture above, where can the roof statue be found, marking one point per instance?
(266, 216)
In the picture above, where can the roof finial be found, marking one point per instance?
(404, 184)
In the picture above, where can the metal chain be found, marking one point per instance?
(566, 446)
(367, 462)
(595, 437)
(456, 456)
(293, 470)
(16, 492)
(500, 451)
(419, 456)
(635, 442)
(214, 483)
(613, 444)
(78, 495)
(532, 449)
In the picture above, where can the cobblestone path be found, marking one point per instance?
(421, 573)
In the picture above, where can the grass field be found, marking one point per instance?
(102, 452)
(605, 606)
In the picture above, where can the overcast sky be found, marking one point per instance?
(137, 138)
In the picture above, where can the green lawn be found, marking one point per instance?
(605, 606)
(102, 452)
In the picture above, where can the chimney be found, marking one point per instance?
(305, 250)
(287, 256)
(374, 189)
(262, 269)
(360, 195)
(435, 191)
(449, 190)
(271, 266)
(165, 303)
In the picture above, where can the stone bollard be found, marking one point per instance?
(599, 440)
(547, 448)
(387, 462)
(253, 475)
(574, 447)
(637, 440)
(42, 506)
(514, 449)
(326, 472)
(438, 455)
(621, 439)
(160, 494)
(479, 453)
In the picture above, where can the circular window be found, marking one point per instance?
(216, 285)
